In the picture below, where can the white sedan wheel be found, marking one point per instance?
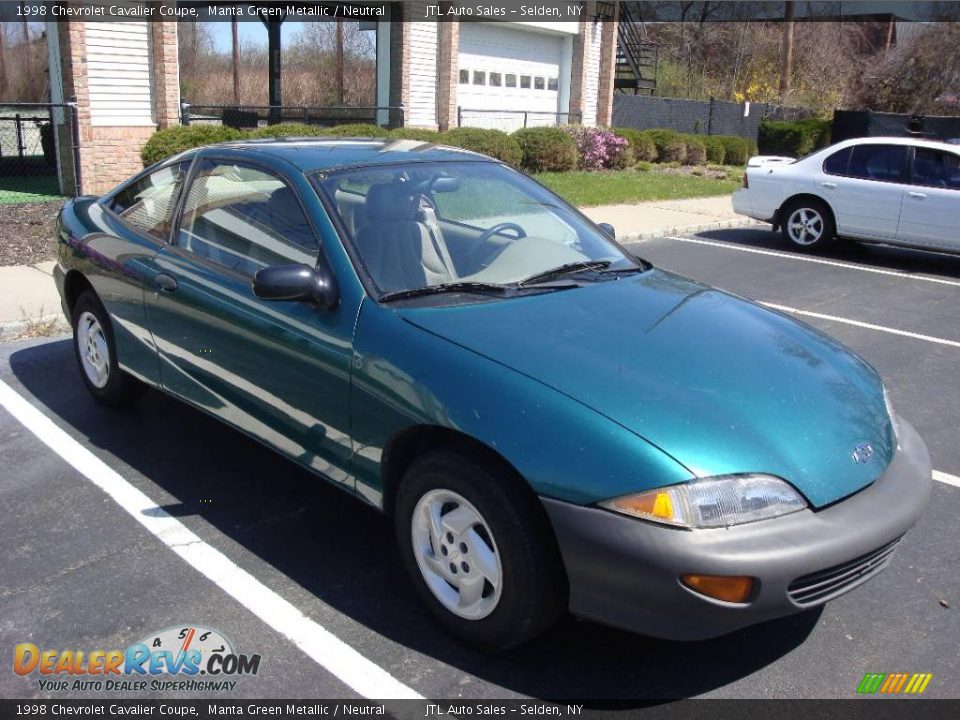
(805, 226)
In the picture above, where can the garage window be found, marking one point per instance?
(552, 84)
(539, 83)
(479, 77)
(524, 82)
(510, 80)
(464, 77)
(495, 79)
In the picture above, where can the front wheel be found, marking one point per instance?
(808, 224)
(479, 550)
(97, 354)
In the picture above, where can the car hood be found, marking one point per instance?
(719, 383)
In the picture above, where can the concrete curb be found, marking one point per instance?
(689, 229)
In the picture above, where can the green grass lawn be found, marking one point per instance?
(586, 189)
(29, 189)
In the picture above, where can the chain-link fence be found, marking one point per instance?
(37, 151)
(246, 117)
(510, 120)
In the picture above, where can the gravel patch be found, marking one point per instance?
(27, 232)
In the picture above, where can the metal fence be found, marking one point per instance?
(252, 116)
(703, 117)
(38, 151)
(866, 123)
(510, 120)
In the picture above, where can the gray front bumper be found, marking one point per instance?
(625, 572)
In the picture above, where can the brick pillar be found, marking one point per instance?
(110, 154)
(166, 74)
(399, 60)
(608, 65)
(579, 65)
(448, 79)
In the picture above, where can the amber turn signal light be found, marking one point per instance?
(729, 588)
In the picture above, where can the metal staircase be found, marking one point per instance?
(636, 69)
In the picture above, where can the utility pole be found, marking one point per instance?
(339, 61)
(786, 51)
(26, 51)
(236, 60)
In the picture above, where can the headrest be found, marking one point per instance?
(390, 201)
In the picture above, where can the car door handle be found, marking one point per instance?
(828, 185)
(917, 195)
(167, 283)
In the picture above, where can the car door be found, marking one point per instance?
(279, 370)
(931, 205)
(865, 187)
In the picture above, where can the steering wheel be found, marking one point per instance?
(497, 229)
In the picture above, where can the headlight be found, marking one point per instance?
(713, 502)
(892, 414)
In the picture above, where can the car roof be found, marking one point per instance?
(912, 141)
(318, 153)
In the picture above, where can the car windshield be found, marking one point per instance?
(464, 226)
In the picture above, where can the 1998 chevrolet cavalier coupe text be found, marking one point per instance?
(551, 422)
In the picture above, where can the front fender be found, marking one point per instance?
(405, 376)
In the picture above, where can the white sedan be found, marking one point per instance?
(902, 191)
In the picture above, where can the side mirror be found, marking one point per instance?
(608, 229)
(297, 282)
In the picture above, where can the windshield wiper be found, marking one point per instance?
(568, 269)
(480, 288)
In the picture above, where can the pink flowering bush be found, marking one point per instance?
(600, 149)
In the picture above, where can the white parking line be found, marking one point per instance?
(946, 478)
(869, 326)
(818, 261)
(324, 648)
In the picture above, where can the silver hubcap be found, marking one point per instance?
(92, 348)
(457, 554)
(805, 226)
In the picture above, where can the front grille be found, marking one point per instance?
(826, 584)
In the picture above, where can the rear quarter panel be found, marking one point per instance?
(115, 261)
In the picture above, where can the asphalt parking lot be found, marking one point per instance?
(322, 597)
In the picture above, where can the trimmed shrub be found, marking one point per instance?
(795, 138)
(644, 150)
(598, 149)
(672, 151)
(164, 143)
(716, 152)
(546, 149)
(736, 150)
(644, 166)
(288, 130)
(670, 145)
(696, 151)
(494, 143)
(357, 130)
(421, 134)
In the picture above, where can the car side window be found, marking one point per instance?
(837, 163)
(878, 162)
(245, 219)
(933, 168)
(147, 204)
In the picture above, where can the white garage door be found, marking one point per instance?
(508, 70)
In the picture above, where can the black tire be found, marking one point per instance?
(533, 593)
(119, 388)
(820, 223)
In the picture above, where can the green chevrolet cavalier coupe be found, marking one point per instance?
(551, 422)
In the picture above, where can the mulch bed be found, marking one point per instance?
(27, 232)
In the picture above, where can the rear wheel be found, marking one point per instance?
(479, 550)
(808, 223)
(97, 355)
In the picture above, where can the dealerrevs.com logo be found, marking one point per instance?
(170, 660)
(894, 683)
